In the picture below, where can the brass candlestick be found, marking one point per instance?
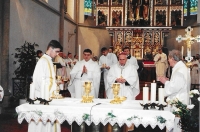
(87, 89)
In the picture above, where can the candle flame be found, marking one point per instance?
(145, 85)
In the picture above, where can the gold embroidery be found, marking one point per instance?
(50, 78)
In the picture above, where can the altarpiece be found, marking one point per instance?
(140, 24)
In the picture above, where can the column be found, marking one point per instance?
(5, 4)
(70, 8)
(81, 11)
(61, 32)
(198, 15)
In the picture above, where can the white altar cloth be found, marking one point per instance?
(71, 109)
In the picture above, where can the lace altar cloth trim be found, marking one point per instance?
(129, 112)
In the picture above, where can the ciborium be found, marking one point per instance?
(86, 98)
(56, 93)
(117, 99)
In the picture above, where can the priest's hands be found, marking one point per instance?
(163, 79)
(159, 58)
(84, 69)
(120, 80)
(107, 67)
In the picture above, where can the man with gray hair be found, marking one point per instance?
(179, 84)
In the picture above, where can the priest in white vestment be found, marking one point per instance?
(161, 64)
(75, 60)
(85, 70)
(69, 64)
(105, 62)
(195, 71)
(44, 83)
(1, 93)
(126, 74)
(179, 84)
(132, 60)
(61, 71)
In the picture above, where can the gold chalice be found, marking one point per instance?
(55, 94)
(117, 99)
(87, 89)
(116, 88)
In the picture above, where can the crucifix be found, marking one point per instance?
(189, 41)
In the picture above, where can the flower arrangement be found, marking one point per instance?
(189, 114)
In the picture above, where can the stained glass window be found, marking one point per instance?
(88, 7)
(193, 7)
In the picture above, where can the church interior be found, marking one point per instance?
(142, 25)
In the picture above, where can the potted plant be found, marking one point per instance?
(188, 114)
(25, 59)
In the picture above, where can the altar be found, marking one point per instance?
(100, 111)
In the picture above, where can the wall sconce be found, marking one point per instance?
(71, 34)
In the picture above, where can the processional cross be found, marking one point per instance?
(189, 41)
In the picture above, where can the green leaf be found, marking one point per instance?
(161, 119)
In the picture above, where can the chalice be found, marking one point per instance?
(56, 92)
(86, 98)
(116, 88)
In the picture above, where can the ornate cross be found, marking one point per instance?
(189, 40)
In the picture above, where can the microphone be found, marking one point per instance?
(91, 109)
(81, 74)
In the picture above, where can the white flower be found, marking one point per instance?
(177, 110)
(199, 98)
(168, 100)
(195, 91)
(174, 100)
(190, 106)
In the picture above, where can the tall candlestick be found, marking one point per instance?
(42, 89)
(32, 91)
(142, 52)
(54, 68)
(46, 91)
(145, 94)
(161, 95)
(182, 49)
(153, 92)
(131, 51)
(79, 52)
